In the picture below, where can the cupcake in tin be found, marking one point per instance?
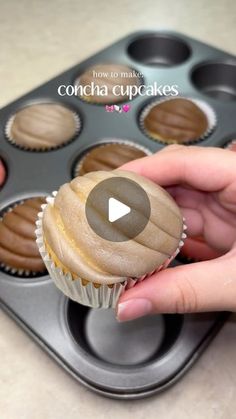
(177, 120)
(108, 156)
(90, 269)
(18, 250)
(105, 77)
(42, 126)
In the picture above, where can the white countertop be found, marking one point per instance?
(39, 39)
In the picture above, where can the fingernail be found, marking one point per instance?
(132, 309)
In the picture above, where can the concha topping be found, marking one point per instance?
(176, 121)
(108, 75)
(42, 126)
(81, 251)
(108, 156)
(18, 248)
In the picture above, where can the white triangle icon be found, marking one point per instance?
(116, 209)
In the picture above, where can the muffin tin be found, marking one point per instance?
(137, 359)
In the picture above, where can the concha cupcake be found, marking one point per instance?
(178, 120)
(42, 126)
(108, 75)
(90, 269)
(108, 156)
(19, 253)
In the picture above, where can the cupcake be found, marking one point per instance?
(42, 126)
(105, 77)
(108, 156)
(180, 121)
(18, 250)
(231, 145)
(196, 250)
(2, 173)
(90, 269)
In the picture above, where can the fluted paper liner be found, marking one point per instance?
(99, 296)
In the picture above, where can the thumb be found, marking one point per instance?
(203, 286)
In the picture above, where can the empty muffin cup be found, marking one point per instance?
(152, 336)
(159, 50)
(216, 80)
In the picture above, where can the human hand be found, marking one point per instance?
(203, 183)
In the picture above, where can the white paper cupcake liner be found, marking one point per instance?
(92, 295)
(78, 126)
(207, 110)
(104, 143)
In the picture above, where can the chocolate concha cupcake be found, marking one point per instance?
(109, 75)
(42, 126)
(108, 156)
(90, 269)
(18, 249)
(179, 120)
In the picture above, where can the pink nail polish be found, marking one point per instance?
(132, 309)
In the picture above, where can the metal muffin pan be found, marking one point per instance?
(137, 359)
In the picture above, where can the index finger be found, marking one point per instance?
(203, 168)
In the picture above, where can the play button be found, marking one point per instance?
(117, 209)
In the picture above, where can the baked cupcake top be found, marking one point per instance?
(175, 121)
(18, 248)
(42, 126)
(107, 156)
(78, 249)
(108, 75)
